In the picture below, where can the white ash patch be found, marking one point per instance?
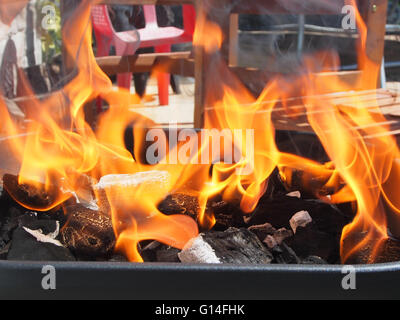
(198, 250)
(46, 238)
(294, 194)
(133, 180)
(300, 219)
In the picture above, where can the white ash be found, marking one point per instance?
(84, 196)
(133, 180)
(46, 238)
(294, 194)
(282, 234)
(89, 204)
(198, 250)
(300, 219)
(270, 242)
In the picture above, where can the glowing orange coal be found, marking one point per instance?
(59, 146)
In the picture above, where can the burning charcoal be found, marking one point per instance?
(35, 197)
(262, 231)
(310, 185)
(313, 260)
(115, 184)
(285, 255)
(180, 203)
(26, 247)
(388, 250)
(300, 219)
(88, 234)
(275, 187)
(282, 234)
(227, 215)
(236, 246)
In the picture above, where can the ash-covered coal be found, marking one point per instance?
(234, 246)
(24, 236)
(89, 234)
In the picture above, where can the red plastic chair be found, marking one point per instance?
(126, 43)
(161, 38)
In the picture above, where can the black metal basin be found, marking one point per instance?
(170, 282)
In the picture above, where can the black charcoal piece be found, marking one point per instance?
(10, 223)
(309, 241)
(280, 210)
(270, 242)
(148, 250)
(4, 251)
(262, 231)
(30, 220)
(158, 252)
(283, 254)
(314, 260)
(167, 254)
(282, 234)
(25, 247)
(89, 234)
(235, 246)
(227, 215)
(118, 258)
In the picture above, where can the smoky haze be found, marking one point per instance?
(274, 42)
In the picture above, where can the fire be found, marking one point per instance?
(59, 147)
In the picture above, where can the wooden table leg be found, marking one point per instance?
(218, 13)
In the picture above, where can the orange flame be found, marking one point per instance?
(58, 146)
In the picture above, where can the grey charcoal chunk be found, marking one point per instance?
(234, 246)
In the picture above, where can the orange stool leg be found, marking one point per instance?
(124, 80)
(164, 79)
